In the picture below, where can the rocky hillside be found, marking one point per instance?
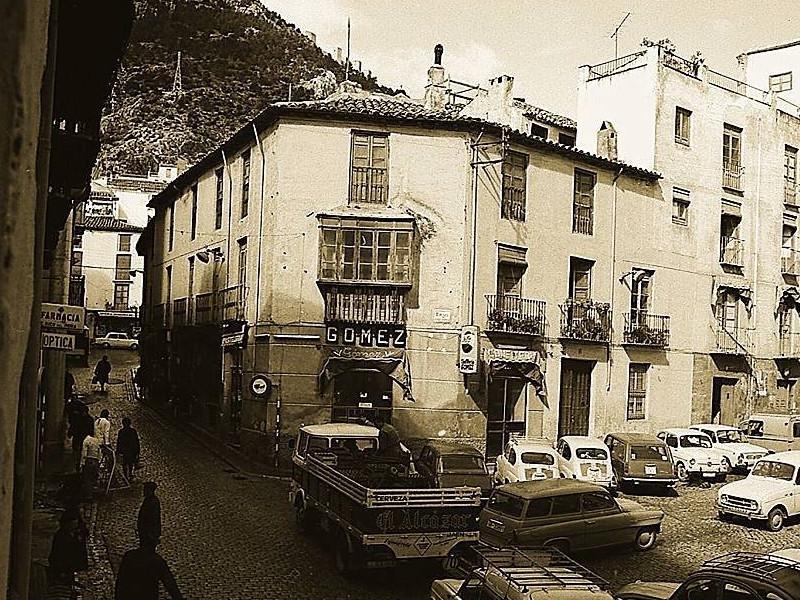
(236, 57)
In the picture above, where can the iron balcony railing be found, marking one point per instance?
(789, 345)
(369, 305)
(369, 185)
(513, 205)
(673, 61)
(512, 314)
(180, 314)
(585, 320)
(731, 251)
(734, 340)
(789, 263)
(645, 329)
(582, 219)
(733, 176)
(204, 308)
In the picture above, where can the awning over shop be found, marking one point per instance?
(790, 298)
(526, 364)
(743, 288)
(393, 363)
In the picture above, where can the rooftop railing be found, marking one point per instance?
(612, 67)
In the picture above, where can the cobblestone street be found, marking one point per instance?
(229, 535)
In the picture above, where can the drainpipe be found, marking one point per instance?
(474, 229)
(260, 223)
(230, 206)
(613, 271)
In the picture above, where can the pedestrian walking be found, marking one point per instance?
(102, 427)
(92, 451)
(101, 373)
(128, 447)
(68, 551)
(140, 573)
(148, 524)
(81, 425)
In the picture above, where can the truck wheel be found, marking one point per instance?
(775, 519)
(645, 539)
(343, 555)
(304, 518)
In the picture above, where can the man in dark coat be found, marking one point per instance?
(141, 571)
(148, 525)
(128, 447)
(81, 425)
(68, 552)
(101, 372)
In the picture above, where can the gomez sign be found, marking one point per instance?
(367, 336)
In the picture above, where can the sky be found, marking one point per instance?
(540, 43)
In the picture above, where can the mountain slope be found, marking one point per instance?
(236, 57)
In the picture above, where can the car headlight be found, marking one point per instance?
(740, 459)
(692, 461)
(723, 498)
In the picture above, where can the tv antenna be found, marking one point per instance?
(347, 60)
(615, 35)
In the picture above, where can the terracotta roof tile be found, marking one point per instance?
(110, 224)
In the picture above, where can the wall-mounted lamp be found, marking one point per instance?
(135, 272)
(205, 255)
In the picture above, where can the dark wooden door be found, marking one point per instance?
(576, 388)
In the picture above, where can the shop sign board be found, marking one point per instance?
(507, 355)
(63, 316)
(468, 350)
(367, 336)
(58, 341)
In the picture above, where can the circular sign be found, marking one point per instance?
(260, 385)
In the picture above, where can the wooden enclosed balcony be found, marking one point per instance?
(221, 306)
(645, 329)
(368, 305)
(512, 314)
(585, 320)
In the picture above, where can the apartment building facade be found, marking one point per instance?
(727, 151)
(329, 261)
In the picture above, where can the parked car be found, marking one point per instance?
(693, 454)
(447, 465)
(735, 576)
(641, 459)
(732, 442)
(770, 493)
(116, 339)
(567, 514)
(778, 433)
(541, 574)
(587, 459)
(526, 459)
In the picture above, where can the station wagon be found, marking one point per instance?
(641, 459)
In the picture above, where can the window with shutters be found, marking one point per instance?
(123, 268)
(637, 390)
(369, 168)
(515, 166)
(219, 199)
(245, 183)
(194, 211)
(124, 242)
(583, 202)
(680, 206)
(683, 120)
(121, 294)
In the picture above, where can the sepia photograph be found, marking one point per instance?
(399, 300)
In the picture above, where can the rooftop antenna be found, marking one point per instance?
(347, 60)
(615, 35)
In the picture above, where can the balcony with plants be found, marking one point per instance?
(585, 320)
(645, 329)
(513, 314)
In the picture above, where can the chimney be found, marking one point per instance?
(607, 141)
(499, 96)
(436, 91)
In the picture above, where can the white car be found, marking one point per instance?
(115, 339)
(770, 493)
(587, 459)
(733, 444)
(527, 459)
(693, 454)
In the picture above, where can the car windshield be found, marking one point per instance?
(506, 504)
(730, 436)
(538, 458)
(773, 469)
(695, 441)
(354, 444)
(463, 462)
(591, 454)
(649, 452)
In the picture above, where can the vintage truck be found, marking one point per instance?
(373, 506)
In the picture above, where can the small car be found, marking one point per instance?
(774, 432)
(526, 459)
(540, 574)
(770, 493)
(116, 339)
(640, 459)
(731, 441)
(587, 459)
(447, 464)
(693, 454)
(735, 576)
(568, 514)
